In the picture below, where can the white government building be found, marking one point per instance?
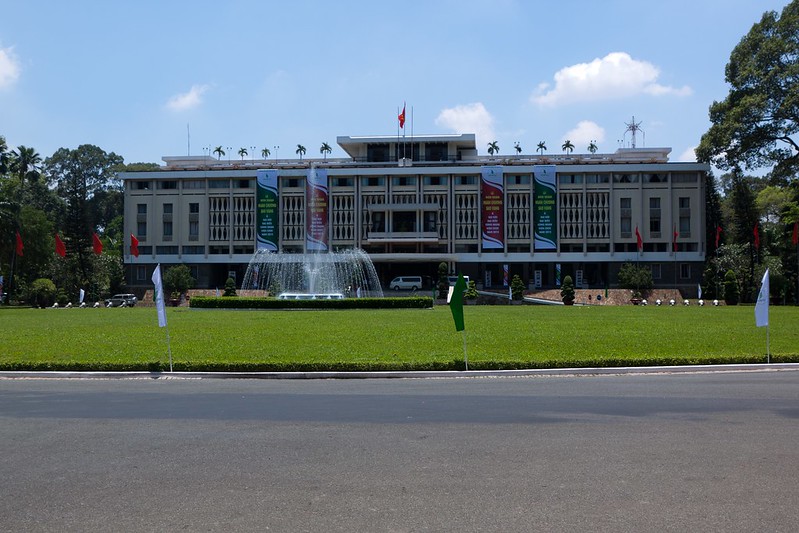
(412, 203)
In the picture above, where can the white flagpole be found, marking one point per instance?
(465, 356)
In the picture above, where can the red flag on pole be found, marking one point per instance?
(795, 237)
(401, 117)
(20, 246)
(674, 241)
(134, 246)
(718, 236)
(638, 239)
(97, 244)
(60, 249)
(757, 237)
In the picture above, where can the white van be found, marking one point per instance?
(413, 283)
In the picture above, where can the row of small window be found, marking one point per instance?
(196, 250)
(684, 217)
(165, 185)
(577, 179)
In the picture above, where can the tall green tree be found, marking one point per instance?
(26, 164)
(242, 153)
(219, 152)
(300, 151)
(493, 148)
(265, 153)
(325, 149)
(78, 176)
(542, 147)
(757, 125)
(568, 147)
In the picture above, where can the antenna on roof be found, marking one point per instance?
(633, 127)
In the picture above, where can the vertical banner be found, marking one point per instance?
(545, 202)
(266, 210)
(493, 216)
(557, 274)
(316, 202)
(505, 270)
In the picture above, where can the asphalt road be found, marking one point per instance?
(690, 452)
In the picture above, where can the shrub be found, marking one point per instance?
(178, 279)
(443, 282)
(471, 291)
(732, 292)
(636, 278)
(517, 288)
(42, 292)
(230, 287)
(414, 302)
(567, 290)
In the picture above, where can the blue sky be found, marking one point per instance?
(130, 76)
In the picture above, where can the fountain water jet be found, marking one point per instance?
(349, 272)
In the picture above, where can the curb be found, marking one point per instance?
(608, 371)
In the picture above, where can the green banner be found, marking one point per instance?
(545, 223)
(266, 210)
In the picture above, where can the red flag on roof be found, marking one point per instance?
(401, 117)
(60, 249)
(795, 237)
(134, 246)
(97, 244)
(20, 246)
(757, 237)
(638, 239)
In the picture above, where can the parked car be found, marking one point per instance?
(413, 283)
(118, 299)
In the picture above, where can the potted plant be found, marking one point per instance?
(516, 289)
(567, 291)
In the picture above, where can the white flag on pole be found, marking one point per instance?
(82, 295)
(158, 296)
(699, 287)
(761, 307)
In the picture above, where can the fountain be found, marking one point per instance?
(347, 272)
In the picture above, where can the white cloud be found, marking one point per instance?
(615, 76)
(582, 135)
(189, 100)
(9, 68)
(469, 118)
(688, 155)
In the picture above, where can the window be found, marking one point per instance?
(194, 221)
(654, 218)
(430, 220)
(403, 181)
(685, 216)
(193, 184)
(167, 209)
(466, 180)
(218, 184)
(194, 208)
(244, 184)
(625, 178)
(140, 185)
(625, 217)
(141, 229)
(685, 271)
(166, 250)
(656, 178)
(289, 183)
(378, 222)
(141, 209)
(655, 267)
(597, 178)
(218, 250)
(434, 180)
(193, 250)
(572, 179)
(373, 181)
(519, 180)
(684, 178)
(167, 184)
(342, 182)
(141, 273)
(404, 221)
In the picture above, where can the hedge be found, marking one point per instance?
(207, 302)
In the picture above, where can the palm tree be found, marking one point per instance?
(300, 151)
(265, 153)
(325, 149)
(5, 157)
(219, 152)
(493, 148)
(518, 148)
(567, 146)
(242, 153)
(592, 147)
(542, 147)
(26, 163)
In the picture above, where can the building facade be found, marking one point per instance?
(414, 203)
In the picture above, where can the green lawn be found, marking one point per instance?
(496, 337)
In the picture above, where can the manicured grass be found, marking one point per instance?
(496, 337)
